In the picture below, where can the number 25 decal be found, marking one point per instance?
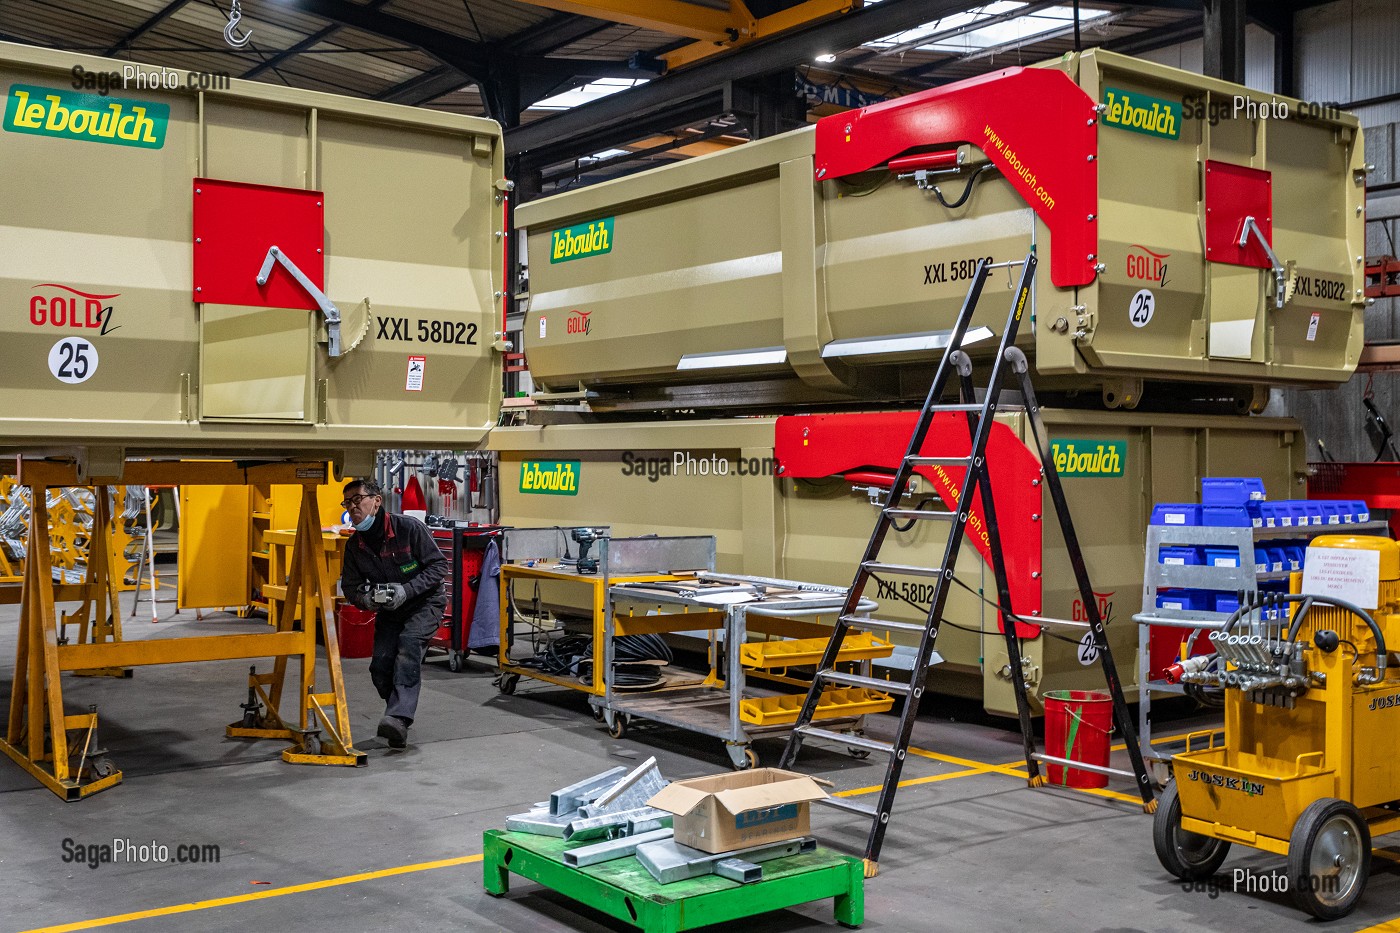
(73, 360)
(1141, 307)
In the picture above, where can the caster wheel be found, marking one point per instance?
(102, 767)
(1189, 856)
(618, 729)
(311, 745)
(597, 712)
(1329, 858)
(750, 760)
(508, 682)
(454, 663)
(859, 754)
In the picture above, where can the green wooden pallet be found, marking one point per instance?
(624, 889)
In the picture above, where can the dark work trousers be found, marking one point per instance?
(400, 642)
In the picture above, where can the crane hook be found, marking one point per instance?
(231, 36)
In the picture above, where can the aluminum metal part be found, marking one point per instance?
(612, 849)
(669, 861)
(635, 775)
(565, 800)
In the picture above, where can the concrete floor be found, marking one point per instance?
(978, 851)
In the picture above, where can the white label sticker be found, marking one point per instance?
(1312, 325)
(1141, 307)
(416, 365)
(1227, 562)
(1176, 518)
(1350, 574)
(1088, 651)
(73, 360)
(541, 326)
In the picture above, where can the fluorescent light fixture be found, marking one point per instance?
(826, 58)
(1006, 23)
(899, 343)
(764, 356)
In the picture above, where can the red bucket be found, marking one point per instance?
(1078, 724)
(354, 629)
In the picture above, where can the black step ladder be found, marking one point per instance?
(980, 417)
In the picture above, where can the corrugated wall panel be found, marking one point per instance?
(1375, 62)
(1322, 42)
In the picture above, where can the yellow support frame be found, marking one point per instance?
(44, 741)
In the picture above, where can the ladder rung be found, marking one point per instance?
(843, 738)
(928, 461)
(860, 680)
(922, 514)
(1081, 766)
(977, 406)
(884, 624)
(841, 803)
(909, 570)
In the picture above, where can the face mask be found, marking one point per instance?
(366, 523)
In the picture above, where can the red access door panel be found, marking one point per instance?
(234, 226)
(1234, 192)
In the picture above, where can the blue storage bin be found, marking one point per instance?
(1225, 602)
(1333, 511)
(1276, 514)
(1218, 516)
(1232, 490)
(1180, 556)
(1294, 554)
(1176, 513)
(1181, 600)
(1222, 557)
(1361, 510)
(1278, 562)
(1314, 512)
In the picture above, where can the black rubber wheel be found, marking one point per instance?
(597, 712)
(619, 726)
(1188, 856)
(311, 745)
(859, 754)
(454, 662)
(508, 682)
(1329, 858)
(102, 767)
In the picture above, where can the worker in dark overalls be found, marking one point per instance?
(393, 568)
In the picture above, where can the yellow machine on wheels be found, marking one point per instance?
(1309, 763)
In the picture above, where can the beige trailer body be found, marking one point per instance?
(736, 279)
(111, 350)
(628, 477)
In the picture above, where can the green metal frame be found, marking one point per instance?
(625, 890)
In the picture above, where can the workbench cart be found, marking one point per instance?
(724, 705)
(545, 556)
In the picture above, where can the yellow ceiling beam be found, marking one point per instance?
(672, 17)
(764, 28)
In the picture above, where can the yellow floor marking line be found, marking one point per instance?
(257, 895)
(1010, 770)
(858, 791)
(1390, 926)
(1120, 747)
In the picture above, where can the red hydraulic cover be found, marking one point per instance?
(1035, 124)
(818, 446)
(234, 226)
(1234, 192)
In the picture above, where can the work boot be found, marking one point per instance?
(393, 730)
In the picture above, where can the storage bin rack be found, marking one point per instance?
(725, 706)
(1243, 579)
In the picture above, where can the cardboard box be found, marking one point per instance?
(738, 810)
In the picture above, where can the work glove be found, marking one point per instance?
(397, 595)
(364, 596)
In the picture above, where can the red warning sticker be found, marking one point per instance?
(416, 364)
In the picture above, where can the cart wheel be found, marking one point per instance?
(750, 759)
(859, 754)
(102, 767)
(1188, 856)
(618, 728)
(454, 662)
(597, 712)
(311, 745)
(1329, 858)
(508, 682)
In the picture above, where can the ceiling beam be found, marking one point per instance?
(673, 17)
(470, 58)
(156, 18)
(554, 33)
(421, 88)
(784, 51)
(317, 37)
